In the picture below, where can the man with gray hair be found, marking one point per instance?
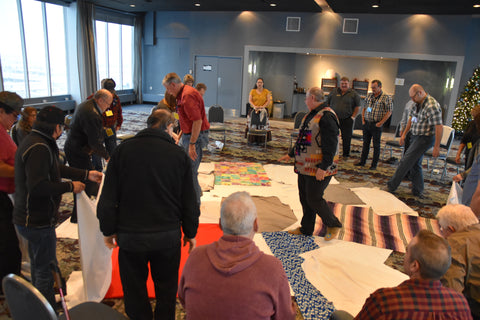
(147, 200)
(422, 296)
(316, 159)
(460, 227)
(85, 138)
(249, 283)
(193, 121)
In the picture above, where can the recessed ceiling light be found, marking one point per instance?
(132, 5)
(273, 4)
(197, 4)
(476, 5)
(375, 6)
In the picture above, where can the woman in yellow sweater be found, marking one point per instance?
(260, 100)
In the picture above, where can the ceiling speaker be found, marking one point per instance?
(293, 24)
(350, 25)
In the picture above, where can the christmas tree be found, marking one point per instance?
(468, 99)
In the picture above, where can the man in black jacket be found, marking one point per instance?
(148, 198)
(86, 138)
(39, 189)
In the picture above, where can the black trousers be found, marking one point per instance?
(311, 197)
(10, 255)
(164, 266)
(346, 127)
(81, 160)
(371, 131)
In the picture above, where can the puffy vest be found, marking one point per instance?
(308, 148)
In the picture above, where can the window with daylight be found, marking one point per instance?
(115, 53)
(33, 51)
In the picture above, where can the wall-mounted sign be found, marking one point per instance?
(207, 67)
(399, 81)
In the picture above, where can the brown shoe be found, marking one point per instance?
(296, 231)
(332, 233)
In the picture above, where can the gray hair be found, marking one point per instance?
(317, 93)
(172, 77)
(102, 94)
(433, 254)
(457, 216)
(160, 119)
(238, 214)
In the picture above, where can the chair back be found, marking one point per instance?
(298, 119)
(447, 137)
(25, 301)
(397, 131)
(215, 114)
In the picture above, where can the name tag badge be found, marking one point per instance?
(469, 145)
(414, 119)
(109, 113)
(176, 115)
(369, 109)
(109, 132)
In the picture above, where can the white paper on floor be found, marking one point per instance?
(346, 273)
(382, 202)
(67, 230)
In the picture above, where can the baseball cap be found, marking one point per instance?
(11, 100)
(51, 114)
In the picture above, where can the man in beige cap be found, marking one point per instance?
(10, 256)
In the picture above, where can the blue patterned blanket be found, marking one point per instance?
(287, 249)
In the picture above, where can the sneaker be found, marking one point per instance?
(373, 167)
(296, 231)
(359, 164)
(332, 233)
(419, 195)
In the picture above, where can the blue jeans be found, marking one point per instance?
(412, 162)
(201, 143)
(370, 130)
(42, 246)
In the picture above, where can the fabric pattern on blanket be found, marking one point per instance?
(272, 214)
(287, 248)
(241, 173)
(362, 225)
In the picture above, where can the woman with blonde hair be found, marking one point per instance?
(24, 126)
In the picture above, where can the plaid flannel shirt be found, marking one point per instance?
(416, 299)
(379, 106)
(426, 117)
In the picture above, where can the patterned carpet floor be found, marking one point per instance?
(236, 149)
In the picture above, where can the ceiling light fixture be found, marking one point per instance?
(476, 5)
(132, 5)
(273, 4)
(376, 4)
(197, 4)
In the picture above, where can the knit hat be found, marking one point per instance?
(51, 114)
(108, 84)
(11, 100)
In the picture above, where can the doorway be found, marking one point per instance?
(223, 78)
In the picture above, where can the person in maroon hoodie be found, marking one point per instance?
(233, 270)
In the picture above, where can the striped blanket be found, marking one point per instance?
(362, 225)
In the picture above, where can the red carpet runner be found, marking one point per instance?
(207, 233)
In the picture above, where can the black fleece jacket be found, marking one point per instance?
(38, 185)
(148, 188)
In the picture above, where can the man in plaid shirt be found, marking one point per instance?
(421, 297)
(425, 123)
(377, 110)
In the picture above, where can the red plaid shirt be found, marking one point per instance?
(117, 119)
(416, 300)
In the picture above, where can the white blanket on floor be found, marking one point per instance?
(382, 202)
(346, 273)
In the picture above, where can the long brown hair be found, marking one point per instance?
(23, 122)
